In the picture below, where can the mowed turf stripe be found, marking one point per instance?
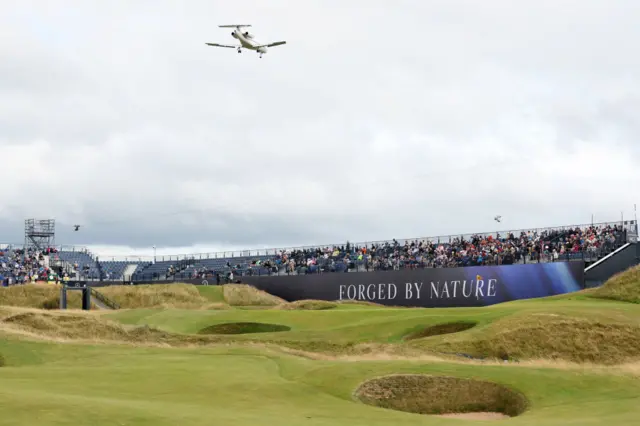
(256, 399)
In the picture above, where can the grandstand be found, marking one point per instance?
(587, 243)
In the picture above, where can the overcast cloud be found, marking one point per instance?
(377, 120)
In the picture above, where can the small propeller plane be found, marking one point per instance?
(246, 40)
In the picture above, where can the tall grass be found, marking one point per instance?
(188, 296)
(40, 296)
(84, 326)
(531, 336)
(308, 305)
(246, 295)
(624, 287)
(184, 296)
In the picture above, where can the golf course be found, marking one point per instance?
(180, 354)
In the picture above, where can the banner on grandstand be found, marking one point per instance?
(430, 287)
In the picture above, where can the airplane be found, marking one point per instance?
(246, 40)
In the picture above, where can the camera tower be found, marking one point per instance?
(39, 234)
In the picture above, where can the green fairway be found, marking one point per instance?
(110, 385)
(357, 324)
(308, 373)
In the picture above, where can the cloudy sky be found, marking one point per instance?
(377, 120)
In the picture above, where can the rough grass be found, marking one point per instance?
(623, 287)
(40, 296)
(440, 329)
(2, 361)
(361, 303)
(81, 326)
(423, 394)
(243, 328)
(308, 305)
(184, 296)
(246, 295)
(217, 306)
(552, 337)
(177, 295)
(65, 326)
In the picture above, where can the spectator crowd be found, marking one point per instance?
(19, 267)
(587, 243)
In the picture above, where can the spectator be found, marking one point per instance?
(20, 267)
(495, 249)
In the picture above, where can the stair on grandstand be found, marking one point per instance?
(129, 270)
(118, 270)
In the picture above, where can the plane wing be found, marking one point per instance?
(277, 43)
(222, 45)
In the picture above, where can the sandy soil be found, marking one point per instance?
(475, 416)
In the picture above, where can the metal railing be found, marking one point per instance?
(104, 299)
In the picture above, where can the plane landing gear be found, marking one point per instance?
(239, 50)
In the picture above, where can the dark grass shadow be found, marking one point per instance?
(440, 329)
(243, 328)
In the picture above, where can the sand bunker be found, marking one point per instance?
(475, 416)
(436, 395)
(439, 329)
(243, 328)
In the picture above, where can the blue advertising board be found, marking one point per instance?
(430, 287)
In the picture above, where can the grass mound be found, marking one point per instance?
(246, 295)
(40, 296)
(243, 328)
(308, 305)
(184, 296)
(188, 296)
(77, 326)
(555, 337)
(440, 329)
(423, 394)
(624, 287)
(62, 325)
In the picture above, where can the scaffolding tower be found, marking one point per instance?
(39, 234)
